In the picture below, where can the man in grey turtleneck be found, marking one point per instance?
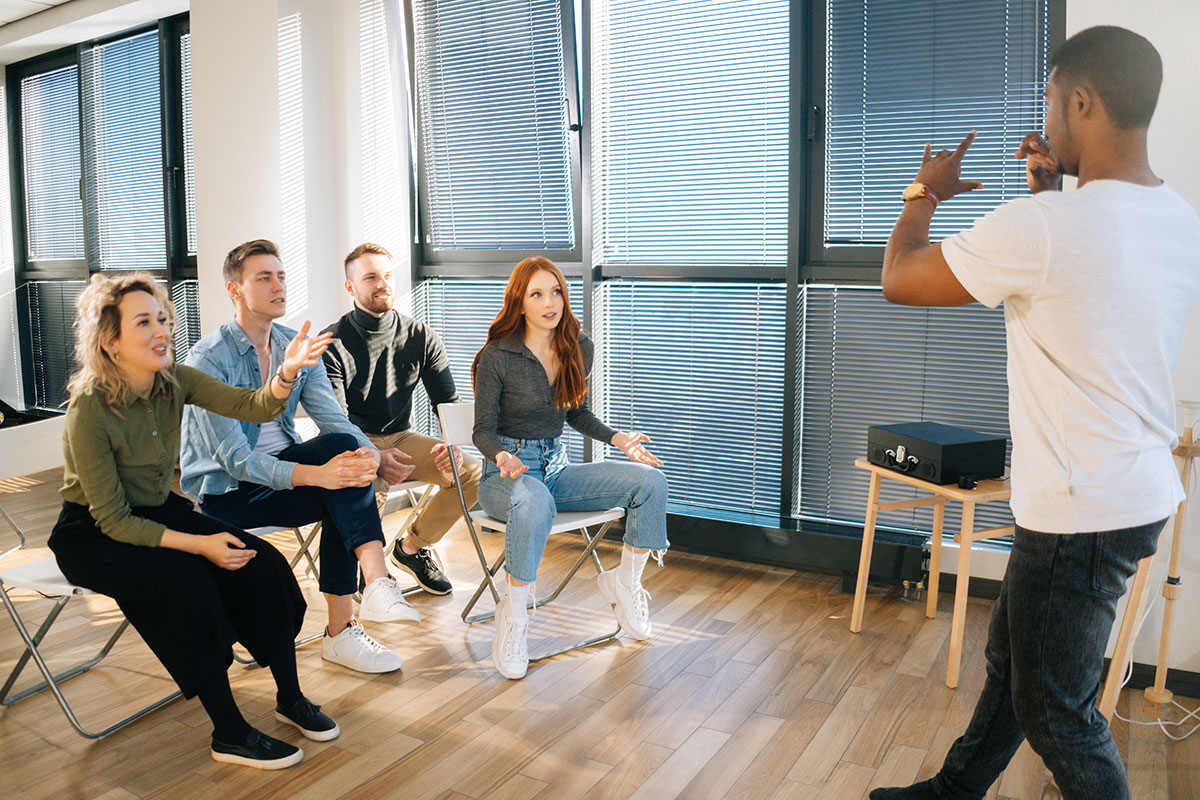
(374, 362)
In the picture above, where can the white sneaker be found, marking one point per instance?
(631, 606)
(510, 654)
(354, 648)
(382, 601)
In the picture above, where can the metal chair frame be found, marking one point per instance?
(448, 415)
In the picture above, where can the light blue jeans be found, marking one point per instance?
(529, 502)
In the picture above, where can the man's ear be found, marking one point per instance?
(349, 288)
(1084, 100)
(233, 290)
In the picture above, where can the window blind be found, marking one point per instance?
(460, 312)
(189, 146)
(185, 295)
(699, 368)
(492, 112)
(122, 143)
(689, 109)
(899, 75)
(51, 307)
(865, 361)
(50, 151)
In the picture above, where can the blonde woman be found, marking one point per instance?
(191, 585)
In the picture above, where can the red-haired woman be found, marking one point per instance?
(529, 379)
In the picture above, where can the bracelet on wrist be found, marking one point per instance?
(287, 383)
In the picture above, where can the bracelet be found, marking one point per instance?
(286, 383)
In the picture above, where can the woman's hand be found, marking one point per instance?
(631, 445)
(225, 550)
(303, 352)
(510, 466)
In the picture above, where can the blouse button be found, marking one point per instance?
(154, 433)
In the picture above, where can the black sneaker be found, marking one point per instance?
(307, 716)
(422, 566)
(259, 751)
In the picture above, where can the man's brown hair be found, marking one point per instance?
(364, 249)
(232, 269)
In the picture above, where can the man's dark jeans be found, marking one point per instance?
(349, 517)
(1045, 654)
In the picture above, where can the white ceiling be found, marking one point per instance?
(16, 9)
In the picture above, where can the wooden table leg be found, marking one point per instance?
(1123, 649)
(961, 585)
(864, 558)
(935, 560)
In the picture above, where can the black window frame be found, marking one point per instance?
(179, 265)
(493, 263)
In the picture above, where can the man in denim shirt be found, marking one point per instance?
(251, 475)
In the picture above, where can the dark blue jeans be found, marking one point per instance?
(1045, 654)
(349, 517)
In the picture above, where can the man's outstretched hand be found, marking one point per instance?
(942, 173)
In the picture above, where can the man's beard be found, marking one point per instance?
(378, 304)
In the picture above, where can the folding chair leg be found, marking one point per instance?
(608, 637)
(487, 581)
(590, 550)
(52, 681)
(304, 551)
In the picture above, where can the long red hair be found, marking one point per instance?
(571, 387)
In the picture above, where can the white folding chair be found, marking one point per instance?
(458, 422)
(32, 448)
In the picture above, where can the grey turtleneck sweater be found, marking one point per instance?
(374, 364)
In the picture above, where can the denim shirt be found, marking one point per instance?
(218, 452)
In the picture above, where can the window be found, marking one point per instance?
(103, 181)
(867, 362)
(743, 170)
(50, 143)
(690, 133)
(698, 367)
(495, 100)
(898, 75)
(122, 155)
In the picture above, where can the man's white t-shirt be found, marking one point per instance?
(1097, 286)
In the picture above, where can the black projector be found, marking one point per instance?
(936, 453)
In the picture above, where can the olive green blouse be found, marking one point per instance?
(125, 457)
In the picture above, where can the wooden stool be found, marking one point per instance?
(986, 492)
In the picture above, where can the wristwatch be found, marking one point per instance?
(919, 190)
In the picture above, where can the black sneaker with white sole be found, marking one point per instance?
(257, 750)
(307, 717)
(422, 566)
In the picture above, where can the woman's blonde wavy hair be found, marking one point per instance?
(98, 325)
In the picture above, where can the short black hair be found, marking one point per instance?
(1123, 68)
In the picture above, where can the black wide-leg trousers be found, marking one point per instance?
(188, 610)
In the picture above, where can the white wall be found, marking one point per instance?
(1172, 26)
(294, 173)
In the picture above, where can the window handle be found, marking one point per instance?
(814, 121)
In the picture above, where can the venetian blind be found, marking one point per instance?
(122, 146)
(699, 368)
(492, 113)
(865, 361)
(50, 152)
(689, 124)
(903, 74)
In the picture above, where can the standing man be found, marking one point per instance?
(251, 475)
(374, 362)
(1097, 285)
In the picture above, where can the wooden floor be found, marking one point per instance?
(752, 687)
